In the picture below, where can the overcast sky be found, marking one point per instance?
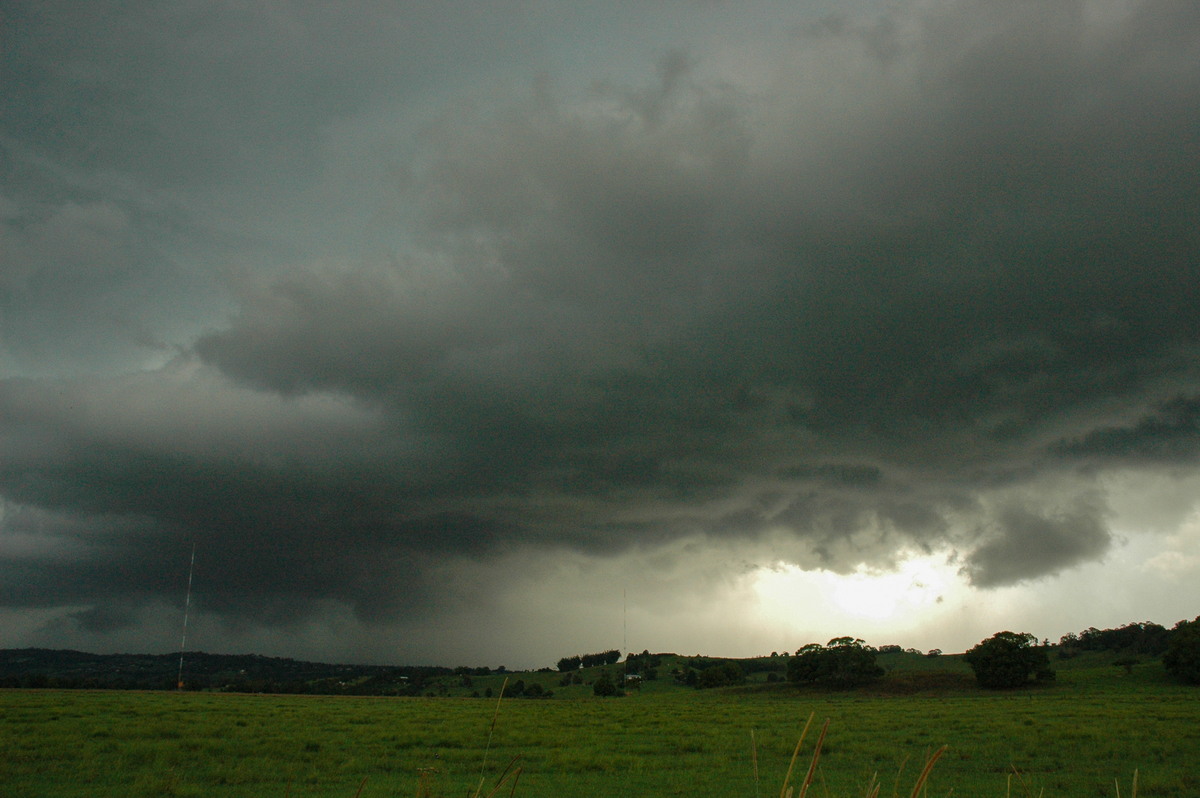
(493, 332)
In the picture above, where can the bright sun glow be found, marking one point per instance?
(879, 596)
(867, 599)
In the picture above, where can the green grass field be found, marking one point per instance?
(1078, 737)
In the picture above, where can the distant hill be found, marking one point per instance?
(252, 673)
(906, 669)
(40, 667)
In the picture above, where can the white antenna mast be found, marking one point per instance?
(624, 621)
(624, 636)
(187, 603)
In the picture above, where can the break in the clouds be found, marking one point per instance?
(423, 321)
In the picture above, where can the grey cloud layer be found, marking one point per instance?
(909, 286)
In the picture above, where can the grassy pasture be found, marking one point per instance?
(1077, 737)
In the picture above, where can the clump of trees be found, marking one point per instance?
(725, 674)
(841, 663)
(1182, 659)
(644, 665)
(708, 672)
(519, 689)
(1009, 659)
(1150, 639)
(574, 663)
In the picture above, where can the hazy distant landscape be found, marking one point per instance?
(38, 668)
(1080, 717)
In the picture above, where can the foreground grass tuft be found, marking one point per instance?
(873, 787)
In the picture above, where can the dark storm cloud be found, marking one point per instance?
(854, 300)
(1028, 544)
(1171, 433)
(196, 91)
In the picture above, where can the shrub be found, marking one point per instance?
(723, 675)
(1182, 659)
(1009, 659)
(604, 686)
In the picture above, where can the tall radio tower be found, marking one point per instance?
(187, 603)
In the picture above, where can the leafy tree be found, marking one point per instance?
(723, 675)
(1009, 659)
(843, 662)
(610, 657)
(569, 663)
(1182, 659)
(604, 686)
(644, 664)
(1134, 638)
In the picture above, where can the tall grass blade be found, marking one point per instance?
(754, 762)
(929, 763)
(508, 773)
(812, 766)
(491, 730)
(1132, 787)
(899, 775)
(785, 791)
(1021, 781)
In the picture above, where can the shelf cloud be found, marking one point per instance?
(400, 315)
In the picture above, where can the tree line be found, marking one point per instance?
(1145, 637)
(577, 661)
(1006, 659)
(1009, 659)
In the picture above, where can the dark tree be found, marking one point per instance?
(1182, 659)
(610, 657)
(723, 675)
(1009, 659)
(643, 664)
(604, 686)
(843, 662)
(569, 663)
(1132, 638)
